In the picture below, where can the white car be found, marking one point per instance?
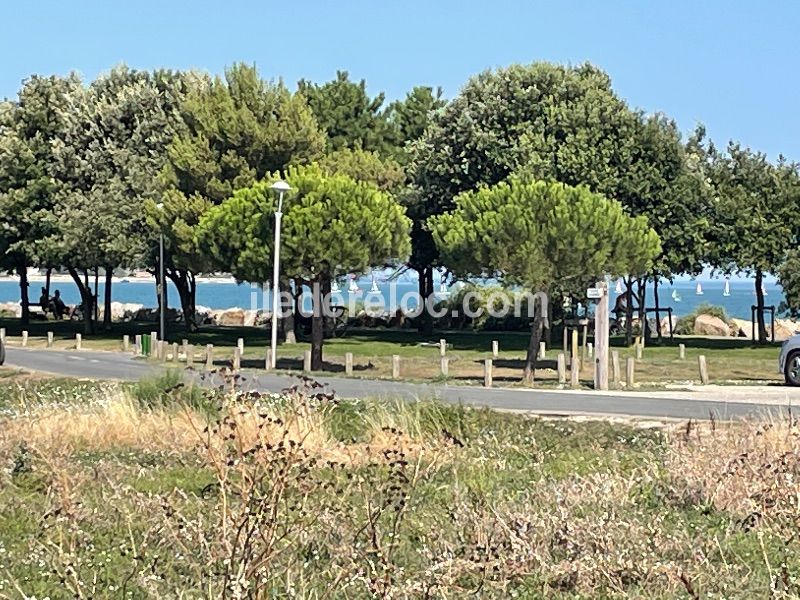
(789, 360)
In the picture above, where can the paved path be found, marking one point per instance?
(679, 405)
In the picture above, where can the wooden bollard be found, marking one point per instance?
(126, 343)
(237, 358)
(174, 352)
(574, 373)
(562, 368)
(542, 350)
(189, 355)
(396, 366)
(268, 361)
(348, 363)
(78, 341)
(49, 339)
(185, 345)
(629, 375)
(153, 339)
(444, 366)
(137, 342)
(584, 334)
(495, 349)
(590, 349)
(638, 351)
(307, 360)
(574, 349)
(487, 373)
(240, 345)
(442, 347)
(24, 338)
(2, 334)
(682, 351)
(701, 364)
(615, 367)
(162, 350)
(209, 356)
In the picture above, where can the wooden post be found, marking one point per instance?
(185, 346)
(639, 351)
(162, 349)
(585, 329)
(573, 357)
(495, 349)
(589, 350)
(153, 338)
(444, 366)
(442, 347)
(487, 373)
(137, 342)
(2, 334)
(190, 355)
(240, 345)
(175, 352)
(307, 360)
(565, 339)
(574, 372)
(562, 368)
(126, 343)
(601, 339)
(682, 351)
(629, 375)
(24, 338)
(542, 350)
(396, 366)
(615, 367)
(268, 361)
(701, 363)
(348, 363)
(237, 359)
(209, 356)
(49, 339)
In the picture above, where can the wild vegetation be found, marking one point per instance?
(113, 491)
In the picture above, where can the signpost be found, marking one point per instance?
(600, 293)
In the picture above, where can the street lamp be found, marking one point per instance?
(162, 295)
(281, 187)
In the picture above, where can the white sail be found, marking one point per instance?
(763, 290)
(374, 289)
(676, 296)
(335, 287)
(727, 291)
(353, 287)
(619, 289)
(699, 289)
(443, 291)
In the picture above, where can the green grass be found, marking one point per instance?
(502, 506)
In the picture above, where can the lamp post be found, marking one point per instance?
(281, 187)
(162, 296)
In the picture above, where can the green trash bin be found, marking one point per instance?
(146, 344)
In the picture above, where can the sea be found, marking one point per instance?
(681, 294)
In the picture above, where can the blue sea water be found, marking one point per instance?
(227, 294)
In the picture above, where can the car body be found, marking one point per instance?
(789, 360)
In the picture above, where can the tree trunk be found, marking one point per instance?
(23, 294)
(317, 325)
(425, 290)
(96, 295)
(47, 281)
(641, 296)
(762, 328)
(629, 311)
(86, 298)
(186, 285)
(533, 348)
(657, 306)
(107, 299)
(298, 308)
(286, 321)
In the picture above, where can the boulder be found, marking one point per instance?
(231, 317)
(711, 325)
(742, 328)
(11, 308)
(665, 324)
(784, 329)
(122, 311)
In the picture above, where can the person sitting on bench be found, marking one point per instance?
(44, 301)
(57, 305)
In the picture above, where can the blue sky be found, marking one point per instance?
(730, 65)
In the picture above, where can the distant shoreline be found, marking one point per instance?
(61, 278)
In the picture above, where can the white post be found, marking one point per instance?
(78, 341)
(442, 347)
(174, 352)
(24, 338)
(268, 361)
(542, 350)
(601, 339)
(2, 334)
(126, 342)
(703, 366)
(137, 341)
(395, 366)
(487, 373)
(307, 361)
(237, 359)
(348, 363)
(495, 349)
(209, 357)
(562, 368)
(275, 273)
(49, 339)
(444, 366)
(190, 355)
(240, 345)
(682, 351)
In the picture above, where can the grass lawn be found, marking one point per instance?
(110, 491)
(729, 360)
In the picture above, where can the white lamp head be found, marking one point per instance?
(280, 186)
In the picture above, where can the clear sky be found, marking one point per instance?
(729, 64)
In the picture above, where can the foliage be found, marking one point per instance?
(361, 165)
(685, 324)
(789, 280)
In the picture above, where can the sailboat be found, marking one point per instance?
(699, 289)
(442, 288)
(353, 287)
(763, 290)
(676, 297)
(374, 289)
(619, 289)
(727, 291)
(335, 287)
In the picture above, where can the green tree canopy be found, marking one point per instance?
(385, 173)
(235, 131)
(536, 234)
(332, 224)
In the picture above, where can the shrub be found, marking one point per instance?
(685, 324)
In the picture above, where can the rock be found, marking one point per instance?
(11, 308)
(665, 324)
(122, 311)
(711, 325)
(231, 317)
(784, 329)
(742, 328)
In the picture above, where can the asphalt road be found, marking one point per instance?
(114, 365)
